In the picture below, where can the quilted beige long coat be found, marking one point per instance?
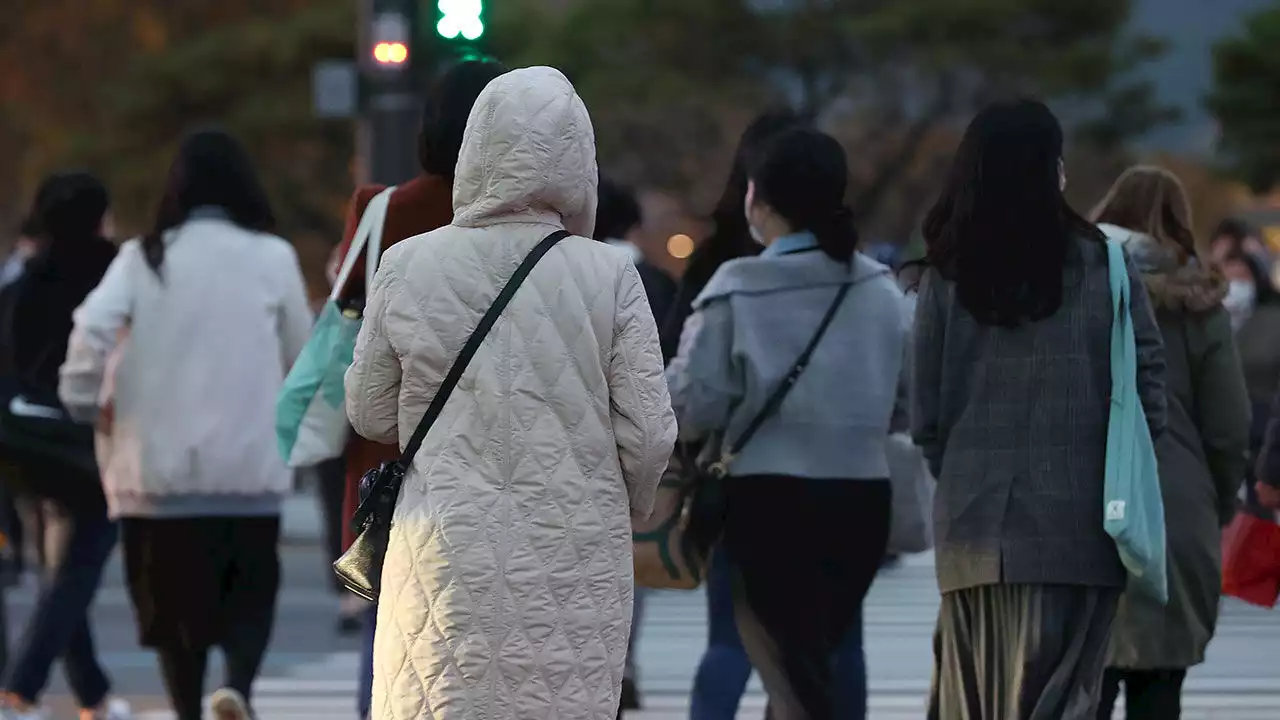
(506, 593)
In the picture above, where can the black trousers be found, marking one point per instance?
(803, 554)
(202, 582)
(1148, 694)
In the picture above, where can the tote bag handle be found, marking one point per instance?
(367, 238)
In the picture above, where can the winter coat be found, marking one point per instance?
(39, 319)
(1201, 456)
(195, 388)
(1013, 422)
(507, 588)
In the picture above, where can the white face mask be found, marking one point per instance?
(752, 230)
(1242, 295)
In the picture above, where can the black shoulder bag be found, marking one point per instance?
(360, 567)
(706, 504)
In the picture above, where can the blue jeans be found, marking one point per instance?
(725, 670)
(59, 627)
(364, 698)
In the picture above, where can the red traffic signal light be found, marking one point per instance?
(390, 53)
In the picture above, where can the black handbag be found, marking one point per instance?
(705, 507)
(360, 567)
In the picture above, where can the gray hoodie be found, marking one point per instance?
(751, 323)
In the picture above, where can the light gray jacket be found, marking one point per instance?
(749, 326)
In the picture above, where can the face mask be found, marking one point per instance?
(1239, 302)
(752, 230)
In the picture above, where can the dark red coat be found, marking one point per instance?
(418, 206)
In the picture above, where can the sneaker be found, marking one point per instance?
(228, 704)
(113, 709)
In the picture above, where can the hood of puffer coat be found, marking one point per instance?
(528, 155)
(1171, 283)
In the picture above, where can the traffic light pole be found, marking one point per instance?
(387, 131)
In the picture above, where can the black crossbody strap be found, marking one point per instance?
(780, 393)
(473, 345)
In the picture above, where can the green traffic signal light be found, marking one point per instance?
(460, 18)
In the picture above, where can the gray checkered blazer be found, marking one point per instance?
(1014, 425)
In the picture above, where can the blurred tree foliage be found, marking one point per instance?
(1246, 100)
(114, 84)
(671, 82)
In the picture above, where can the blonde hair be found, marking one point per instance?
(1152, 201)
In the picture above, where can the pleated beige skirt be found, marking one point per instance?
(1021, 652)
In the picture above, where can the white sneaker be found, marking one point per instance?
(115, 709)
(227, 704)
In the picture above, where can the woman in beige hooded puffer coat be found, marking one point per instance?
(506, 593)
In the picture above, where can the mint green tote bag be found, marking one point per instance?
(311, 415)
(1133, 506)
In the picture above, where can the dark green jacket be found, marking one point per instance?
(1202, 456)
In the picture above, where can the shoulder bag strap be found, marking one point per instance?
(774, 403)
(473, 344)
(367, 239)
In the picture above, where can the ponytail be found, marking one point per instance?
(837, 235)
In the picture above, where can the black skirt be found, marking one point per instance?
(803, 553)
(192, 578)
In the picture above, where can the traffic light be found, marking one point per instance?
(390, 41)
(460, 19)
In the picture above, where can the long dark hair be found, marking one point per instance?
(729, 238)
(445, 113)
(802, 174)
(211, 169)
(1001, 228)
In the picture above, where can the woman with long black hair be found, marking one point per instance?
(724, 670)
(1012, 383)
(71, 221)
(216, 311)
(795, 355)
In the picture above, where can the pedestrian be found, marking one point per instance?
(724, 670)
(1236, 236)
(13, 553)
(1254, 305)
(1011, 381)
(813, 316)
(1201, 455)
(216, 311)
(420, 205)
(507, 587)
(72, 213)
(617, 221)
